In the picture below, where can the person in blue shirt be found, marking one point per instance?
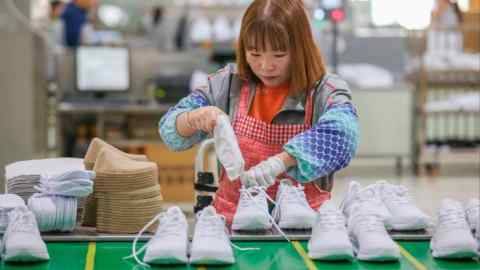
(75, 16)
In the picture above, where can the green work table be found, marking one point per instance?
(272, 255)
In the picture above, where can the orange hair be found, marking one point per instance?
(284, 25)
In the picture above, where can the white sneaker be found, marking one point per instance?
(7, 203)
(252, 210)
(210, 244)
(358, 194)
(292, 210)
(472, 211)
(452, 237)
(329, 239)
(22, 241)
(404, 214)
(169, 245)
(368, 234)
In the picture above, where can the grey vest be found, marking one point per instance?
(224, 87)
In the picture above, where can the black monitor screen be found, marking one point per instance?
(102, 69)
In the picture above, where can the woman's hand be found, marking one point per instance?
(204, 118)
(265, 172)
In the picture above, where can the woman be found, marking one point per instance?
(292, 120)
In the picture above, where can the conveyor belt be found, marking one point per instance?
(87, 234)
(272, 255)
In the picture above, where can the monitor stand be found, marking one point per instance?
(99, 96)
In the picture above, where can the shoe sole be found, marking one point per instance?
(377, 257)
(211, 261)
(455, 254)
(167, 261)
(26, 256)
(252, 225)
(405, 226)
(333, 255)
(293, 224)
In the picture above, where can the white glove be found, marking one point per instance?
(264, 173)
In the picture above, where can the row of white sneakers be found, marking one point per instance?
(210, 244)
(453, 236)
(391, 201)
(22, 241)
(291, 210)
(330, 238)
(365, 236)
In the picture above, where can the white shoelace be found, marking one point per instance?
(247, 199)
(214, 226)
(368, 193)
(397, 195)
(369, 222)
(168, 224)
(331, 219)
(452, 218)
(20, 220)
(291, 195)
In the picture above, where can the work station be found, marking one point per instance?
(240, 134)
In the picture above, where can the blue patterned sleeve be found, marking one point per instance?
(167, 125)
(328, 146)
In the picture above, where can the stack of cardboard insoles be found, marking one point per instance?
(126, 190)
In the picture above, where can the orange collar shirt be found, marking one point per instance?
(268, 101)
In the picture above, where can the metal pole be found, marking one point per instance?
(334, 47)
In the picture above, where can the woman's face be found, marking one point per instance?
(271, 67)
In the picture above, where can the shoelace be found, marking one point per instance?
(331, 219)
(364, 194)
(168, 224)
(452, 218)
(214, 226)
(397, 194)
(20, 220)
(368, 222)
(250, 198)
(291, 195)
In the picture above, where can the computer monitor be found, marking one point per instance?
(102, 69)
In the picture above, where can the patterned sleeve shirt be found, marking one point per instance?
(328, 146)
